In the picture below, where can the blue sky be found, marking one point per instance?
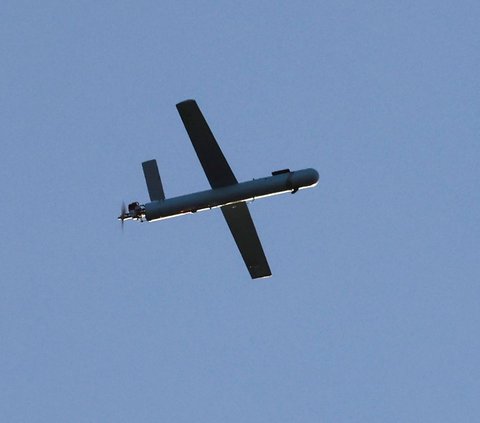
(372, 313)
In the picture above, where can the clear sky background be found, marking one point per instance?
(372, 313)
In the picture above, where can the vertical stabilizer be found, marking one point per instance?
(154, 183)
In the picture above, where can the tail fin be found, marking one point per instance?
(154, 183)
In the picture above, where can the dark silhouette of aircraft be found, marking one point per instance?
(226, 193)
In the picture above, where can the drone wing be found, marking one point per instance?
(220, 174)
(243, 230)
(211, 157)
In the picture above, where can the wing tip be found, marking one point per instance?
(186, 103)
(259, 273)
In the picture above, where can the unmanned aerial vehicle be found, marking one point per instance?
(227, 193)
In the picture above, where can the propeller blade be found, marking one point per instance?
(122, 214)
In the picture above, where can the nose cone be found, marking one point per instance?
(314, 176)
(309, 178)
(304, 178)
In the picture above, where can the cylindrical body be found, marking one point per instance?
(244, 191)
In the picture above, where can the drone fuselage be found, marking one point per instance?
(278, 183)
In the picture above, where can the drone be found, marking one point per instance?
(227, 193)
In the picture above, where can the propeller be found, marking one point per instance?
(123, 213)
